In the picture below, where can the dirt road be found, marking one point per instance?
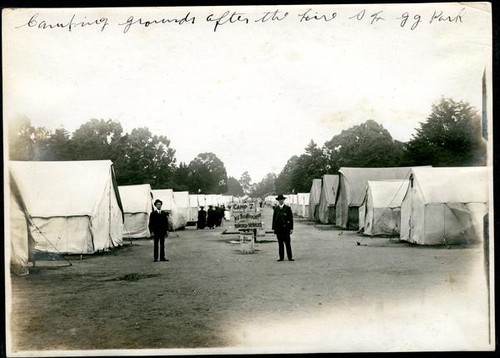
(381, 295)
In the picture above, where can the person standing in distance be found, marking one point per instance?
(158, 227)
(283, 227)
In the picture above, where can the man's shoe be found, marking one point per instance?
(280, 260)
(155, 260)
(291, 260)
(163, 260)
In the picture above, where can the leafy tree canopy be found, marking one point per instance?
(451, 136)
(207, 174)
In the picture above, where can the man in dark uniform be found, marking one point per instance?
(158, 227)
(211, 217)
(202, 218)
(283, 227)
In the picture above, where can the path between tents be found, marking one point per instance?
(336, 296)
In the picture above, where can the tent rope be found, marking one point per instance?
(50, 242)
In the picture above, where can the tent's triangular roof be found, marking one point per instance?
(181, 199)
(167, 198)
(387, 193)
(358, 177)
(315, 192)
(63, 188)
(452, 184)
(136, 198)
(329, 188)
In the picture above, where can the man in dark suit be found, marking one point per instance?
(158, 227)
(283, 227)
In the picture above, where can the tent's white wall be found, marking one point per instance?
(352, 189)
(292, 201)
(380, 213)
(303, 204)
(326, 206)
(183, 204)
(445, 205)
(75, 206)
(193, 207)
(166, 196)
(136, 200)
(314, 195)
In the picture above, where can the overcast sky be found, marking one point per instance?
(252, 93)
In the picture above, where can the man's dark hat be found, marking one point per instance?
(158, 201)
(280, 197)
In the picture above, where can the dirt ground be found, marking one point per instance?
(381, 295)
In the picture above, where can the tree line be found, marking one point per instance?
(451, 136)
(139, 157)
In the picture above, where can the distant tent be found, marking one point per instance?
(18, 232)
(445, 205)
(193, 208)
(303, 205)
(326, 208)
(182, 202)
(167, 198)
(380, 213)
(227, 200)
(352, 188)
(212, 199)
(292, 201)
(136, 200)
(270, 200)
(75, 206)
(314, 195)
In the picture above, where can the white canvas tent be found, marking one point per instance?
(292, 201)
(326, 208)
(136, 200)
(211, 199)
(17, 230)
(193, 208)
(183, 205)
(380, 213)
(445, 205)
(75, 206)
(166, 196)
(303, 204)
(352, 189)
(314, 195)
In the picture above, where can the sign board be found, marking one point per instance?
(246, 216)
(247, 220)
(243, 207)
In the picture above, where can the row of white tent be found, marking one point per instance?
(422, 205)
(298, 202)
(183, 207)
(76, 207)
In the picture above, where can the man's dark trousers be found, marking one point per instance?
(284, 241)
(159, 240)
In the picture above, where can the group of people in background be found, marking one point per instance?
(282, 226)
(211, 218)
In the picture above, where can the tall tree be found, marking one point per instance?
(207, 174)
(146, 158)
(234, 187)
(365, 145)
(451, 136)
(246, 182)
(181, 178)
(310, 165)
(97, 140)
(30, 143)
(283, 182)
(265, 187)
